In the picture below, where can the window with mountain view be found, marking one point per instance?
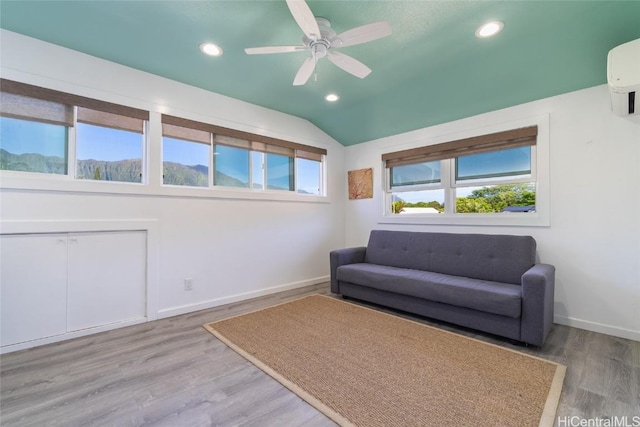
(109, 146)
(30, 146)
(243, 160)
(231, 166)
(496, 176)
(45, 131)
(40, 127)
(106, 154)
(185, 162)
(34, 133)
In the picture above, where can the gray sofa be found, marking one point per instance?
(489, 283)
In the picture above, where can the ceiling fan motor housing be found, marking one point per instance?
(320, 47)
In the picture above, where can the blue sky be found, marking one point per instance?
(21, 137)
(185, 152)
(100, 143)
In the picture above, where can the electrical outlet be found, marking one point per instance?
(188, 284)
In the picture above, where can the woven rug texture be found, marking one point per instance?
(362, 367)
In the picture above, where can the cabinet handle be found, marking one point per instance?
(74, 240)
(62, 241)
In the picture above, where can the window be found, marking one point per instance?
(257, 170)
(493, 173)
(280, 172)
(31, 146)
(109, 147)
(40, 127)
(185, 156)
(185, 162)
(232, 166)
(46, 133)
(255, 162)
(309, 176)
(33, 134)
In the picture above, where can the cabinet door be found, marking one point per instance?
(107, 278)
(33, 287)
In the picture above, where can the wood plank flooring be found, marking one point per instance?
(172, 372)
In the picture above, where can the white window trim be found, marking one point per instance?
(540, 155)
(34, 181)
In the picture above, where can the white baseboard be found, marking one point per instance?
(70, 335)
(598, 327)
(175, 311)
(168, 312)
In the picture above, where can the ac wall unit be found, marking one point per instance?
(623, 75)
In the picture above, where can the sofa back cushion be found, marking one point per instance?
(498, 258)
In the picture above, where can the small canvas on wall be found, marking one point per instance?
(361, 184)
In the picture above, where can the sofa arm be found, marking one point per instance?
(340, 257)
(538, 285)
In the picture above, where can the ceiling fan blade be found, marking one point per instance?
(305, 71)
(273, 49)
(363, 34)
(304, 17)
(349, 64)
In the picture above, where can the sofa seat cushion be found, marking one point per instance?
(491, 297)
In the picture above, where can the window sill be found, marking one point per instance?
(62, 183)
(537, 219)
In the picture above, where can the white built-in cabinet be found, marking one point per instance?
(55, 284)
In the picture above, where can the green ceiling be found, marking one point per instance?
(431, 70)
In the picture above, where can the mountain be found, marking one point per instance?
(178, 174)
(123, 170)
(32, 163)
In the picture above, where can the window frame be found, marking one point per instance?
(162, 160)
(152, 157)
(74, 103)
(539, 175)
(252, 143)
(143, 156)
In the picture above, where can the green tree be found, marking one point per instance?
(502, 196)
(397, 206)
(475, 205)
(96, 174)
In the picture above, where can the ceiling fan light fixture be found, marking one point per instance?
(489, 29)
(211, 49)
(320, 40)
(332, 97)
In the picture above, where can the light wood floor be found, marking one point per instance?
(172, 372)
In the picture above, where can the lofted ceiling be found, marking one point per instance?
(431, 70)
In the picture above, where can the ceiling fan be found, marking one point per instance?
(321, 40)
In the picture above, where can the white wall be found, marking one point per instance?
(594, 237)
(233, 247)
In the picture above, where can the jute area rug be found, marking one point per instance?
(362, 367)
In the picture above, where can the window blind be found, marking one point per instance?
(68, 100)
(463, 147)
(309, 156)
(188, 134)
(115, 121)
(25, 108)
(240, 139)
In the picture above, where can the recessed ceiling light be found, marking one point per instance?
(332, 97)
(211, 49)
(489, 29)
